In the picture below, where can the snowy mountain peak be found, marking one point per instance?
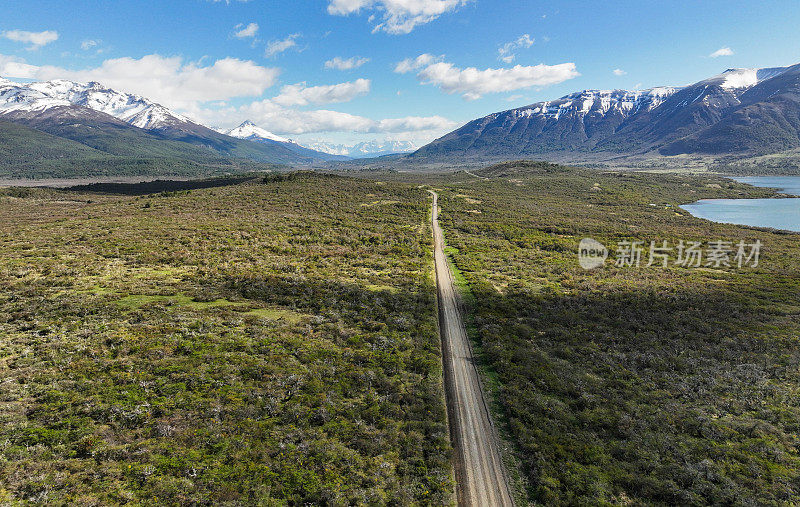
(364, 149)
(251, 131)
(599, 102)
(42, 95)
(737, 79)
(595, 103)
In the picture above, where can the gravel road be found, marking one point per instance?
(480, 474)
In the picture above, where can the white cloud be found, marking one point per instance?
(35, 39)
(89, 44)
(167, 80)
(619, 72)
(414, 124)
(348, 64)
(472, 83)
(300, 95)
(245, 32)
(398, 16)
(412, 64)
(11, 66)
(279, 46)
(723, 51)
(288, 121)
(507, 52)
(202, 92)
(294, 122)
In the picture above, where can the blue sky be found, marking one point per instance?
(482, 56)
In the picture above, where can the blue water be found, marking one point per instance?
(775, 213)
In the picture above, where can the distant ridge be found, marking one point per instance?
(252, 132)
(741, 112)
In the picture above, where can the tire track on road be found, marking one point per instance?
(480, 475)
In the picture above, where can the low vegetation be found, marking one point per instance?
(270, 342)
(626, 385)
(272, 339)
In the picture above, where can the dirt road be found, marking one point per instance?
(480, 475)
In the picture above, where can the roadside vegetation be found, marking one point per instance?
(269, 342)
(626, 385)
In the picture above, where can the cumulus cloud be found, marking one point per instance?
(396, 16)
(279, 46)
(507, 52)
(301, 95)
(619, 72)
(89, 44)
(170, 81)
(13, 67)
(35, 39)
(473, 83)
(294, 122)
(245, 32)
(723, 51)
(348, 64)
(288, 121)
(412, 64)
(202, 92)
(414, 124)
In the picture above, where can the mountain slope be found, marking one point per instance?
(739, 112)
(767, 121)
(132, 109)
(16, 141)
(123, 124)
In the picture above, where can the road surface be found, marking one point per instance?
(480, 475)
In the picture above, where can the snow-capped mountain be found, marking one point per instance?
(249, 130)
(252, 132)
(598, 102)
(44, 95)
(364, 149)
(741, 79)
(123, 124)
(740, 110)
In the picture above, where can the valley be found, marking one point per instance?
(274, 339)
(399, 253)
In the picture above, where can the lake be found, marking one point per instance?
(776, 213)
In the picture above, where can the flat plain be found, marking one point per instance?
(274, 341)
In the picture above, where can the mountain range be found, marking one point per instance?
(61, 128)
(319, 149)
(739, 113)
(58, 127)
(366, 149)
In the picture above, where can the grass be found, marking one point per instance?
(276, 314)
